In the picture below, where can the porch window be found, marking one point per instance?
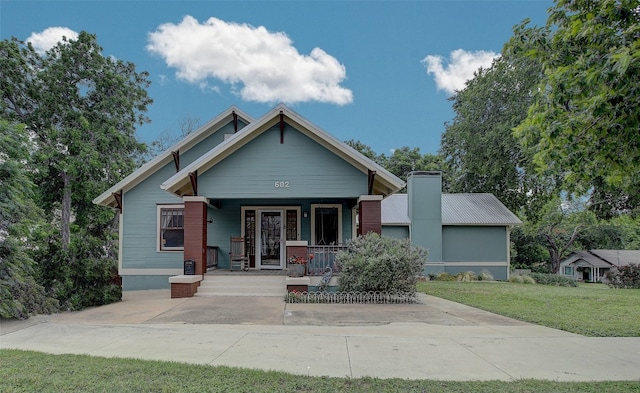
(171, 228)
(326, 224)
(568, 270)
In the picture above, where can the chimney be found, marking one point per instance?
(424, 191)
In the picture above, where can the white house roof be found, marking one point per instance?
(107, 198)
(457, 209)
(385, 182)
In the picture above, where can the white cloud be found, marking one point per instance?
(49, 37)
(462, 65)
(259, 65)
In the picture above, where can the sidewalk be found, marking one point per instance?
(435, 340)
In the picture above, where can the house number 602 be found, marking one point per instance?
(282, 184)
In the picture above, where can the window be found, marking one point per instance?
(326, 224)
(171, 227)
(568, 270)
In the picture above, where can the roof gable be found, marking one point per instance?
(385, 182)
(214, 125)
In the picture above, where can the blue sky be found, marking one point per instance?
(377, 71)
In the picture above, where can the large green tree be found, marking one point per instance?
(82, 107)
(20, 219)
(478, 146)
(583, 124)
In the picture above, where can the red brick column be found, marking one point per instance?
(195, 232)
(370, 215)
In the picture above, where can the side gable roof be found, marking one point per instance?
(457, 209)
(385, 182)
(107, 198)
(604, 258)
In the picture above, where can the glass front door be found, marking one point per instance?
(271, 240)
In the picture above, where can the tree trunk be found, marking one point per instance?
(65, 223)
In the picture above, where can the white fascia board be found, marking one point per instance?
(106, 198)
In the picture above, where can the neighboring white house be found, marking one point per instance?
(592, 265)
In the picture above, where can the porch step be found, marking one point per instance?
(242, 285)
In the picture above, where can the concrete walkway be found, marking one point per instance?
(434, 340)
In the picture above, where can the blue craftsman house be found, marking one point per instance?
(283, 187)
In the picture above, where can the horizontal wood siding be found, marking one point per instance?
(140, 215)
(398, 232)
(303, 167)
(474, 244)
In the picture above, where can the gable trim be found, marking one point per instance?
(191, 140)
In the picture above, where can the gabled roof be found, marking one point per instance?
(385, 182)
(457, 209)
(214, 125)
(604, 258)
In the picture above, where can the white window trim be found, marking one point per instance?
(313, 220)
(159, 229)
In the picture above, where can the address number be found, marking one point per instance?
(281, 184)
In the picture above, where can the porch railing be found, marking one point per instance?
(322, 257)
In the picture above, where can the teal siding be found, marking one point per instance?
(140, 213)
(425, 212)
(309, 170)
(398, 232)
(498, 272)
(138, 283)
(474, 244)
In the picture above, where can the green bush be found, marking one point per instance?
(517, 279)
(553, 279)
(442, 276)
(624, 277)
(485, 276)
(466, 276)
(377, 263)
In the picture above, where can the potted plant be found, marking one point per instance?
(297, 266)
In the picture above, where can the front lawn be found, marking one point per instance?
(23, 371)
(590, 309)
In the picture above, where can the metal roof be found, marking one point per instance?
(476, 209)
(457, 209)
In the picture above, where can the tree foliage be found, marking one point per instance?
(479, 148)
(20, 219)
(583, 124)
(82, 109)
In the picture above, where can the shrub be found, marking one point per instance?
(377, 263)
(485, 276)
(624, 276)
(442, 276)
(516, 279)
(554, 279)
(466, 276)
(528, 280)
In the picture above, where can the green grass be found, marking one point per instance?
(590, 309)
(24, 371)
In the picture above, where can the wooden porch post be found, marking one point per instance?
(370, 216)
(195, 231)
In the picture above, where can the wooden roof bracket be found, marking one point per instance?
(118, 198)
(176, 159)
(193, 177)
(281, 127)
(235, 121)
(372, 176)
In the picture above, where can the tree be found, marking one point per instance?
(560, 226)
(480, 152)
(20, 217)
(583, 124)
(82, 107)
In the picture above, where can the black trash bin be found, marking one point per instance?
(189, 267)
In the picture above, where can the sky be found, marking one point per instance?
(380, 72)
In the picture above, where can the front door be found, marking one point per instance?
(270, 240)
